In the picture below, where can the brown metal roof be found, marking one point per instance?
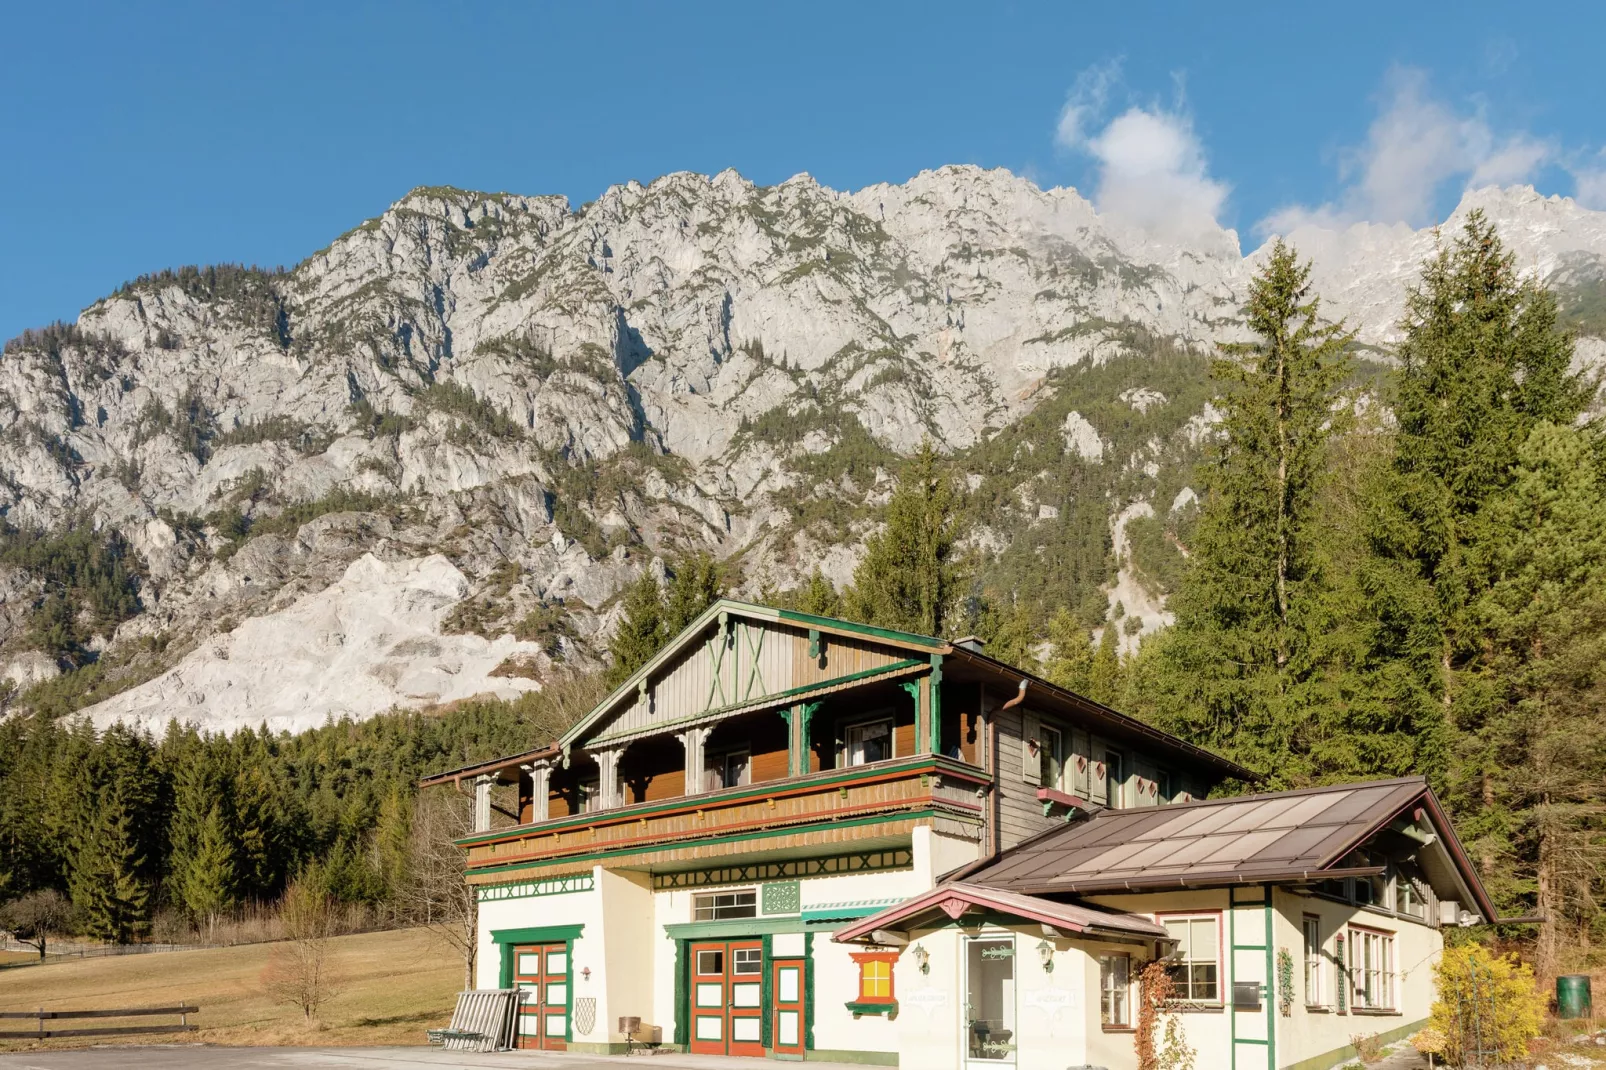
(950, 902)
(496, 767)
(1276, 836)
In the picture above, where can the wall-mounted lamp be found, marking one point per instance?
(922, 958)
(585, 973)
(1045, 951)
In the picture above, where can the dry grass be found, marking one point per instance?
(393, 986)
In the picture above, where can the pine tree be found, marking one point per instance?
(391, 838)
(108, 892)
(1237, 666)
(1008, 630)
(695, 584)
(817, 596)
(1483, 362)
(1070, 659)
(1537, 687)
(1106, 679)
(640, 633)
(909, 578)
(206, 883)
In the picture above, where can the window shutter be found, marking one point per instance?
(1096, 778)
(1080, 764)
(1030, 762)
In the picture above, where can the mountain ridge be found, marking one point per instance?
(555, 398)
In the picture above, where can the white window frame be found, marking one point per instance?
(1373, 980)
(1050, 748)
(866, 722)
(1311, 927)
(1110, 994)
(1216, 959)
(714, 907)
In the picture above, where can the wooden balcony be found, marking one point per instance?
(881, 802)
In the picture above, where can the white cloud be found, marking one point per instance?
(1415, 145)
(1590, 182)
(1152, 169)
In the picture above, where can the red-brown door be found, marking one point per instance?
(542, 971)
(727, 1008)
(786, 997)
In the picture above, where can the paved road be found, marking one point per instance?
(205, 1057)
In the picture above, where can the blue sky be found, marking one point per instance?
(145, 136)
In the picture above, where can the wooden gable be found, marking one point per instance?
(737, 657)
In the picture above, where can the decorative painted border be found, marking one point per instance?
(787, 869)
(579, 882)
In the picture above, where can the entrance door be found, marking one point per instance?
(727, 986)
(787, 995)
(542, 971)
(989, 1002)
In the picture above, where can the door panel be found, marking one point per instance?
(542, 972)
(787, 992)
(727, 997)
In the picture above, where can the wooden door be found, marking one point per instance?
(747, 998)
(542, 971)
(727, 1007)
(787, 1000)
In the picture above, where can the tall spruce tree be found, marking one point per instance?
(1236, 667)
(1534, 694)
(108, 891)
(1482, 364)
(640, 632)
(1070, 658)
(206, 884)
(910, 577)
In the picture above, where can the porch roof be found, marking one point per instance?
(952, 901)
(1280, 836)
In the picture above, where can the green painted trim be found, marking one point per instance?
(862, 1058)
(577, 882)
(934, 715)
(759, 791)
(808, 993)
(790, 830)
(504, 974)
(725, 607)
(1271, 991)
(734, 927)
(841, 913)
(810, 620)
(682, 994)
(786, 869)
(542, 934)
(779, 698)
(888, 1009)
(766, 996)
(1338, 1056)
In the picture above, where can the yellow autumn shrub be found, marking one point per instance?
(1480, 994)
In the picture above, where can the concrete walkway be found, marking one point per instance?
(206, 1057)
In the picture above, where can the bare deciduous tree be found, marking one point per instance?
(435, 894)
(298, 970)
(35, 917)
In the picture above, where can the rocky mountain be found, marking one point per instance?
(421, 464)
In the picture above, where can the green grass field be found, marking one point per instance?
(391, 987)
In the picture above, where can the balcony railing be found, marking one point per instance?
(856, 797)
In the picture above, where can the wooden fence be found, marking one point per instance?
(41, 1016)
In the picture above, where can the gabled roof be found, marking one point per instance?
(691, 635)
(1280, 836)
(952, 901)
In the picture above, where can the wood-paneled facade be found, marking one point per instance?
(764, 744)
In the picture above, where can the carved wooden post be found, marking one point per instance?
(482, 803)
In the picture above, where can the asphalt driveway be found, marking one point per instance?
(205, 1057)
